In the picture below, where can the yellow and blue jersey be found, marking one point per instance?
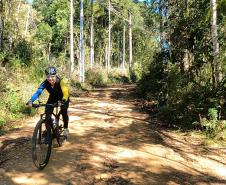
(58, 92)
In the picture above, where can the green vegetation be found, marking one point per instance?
(182, 81)
(177, 68)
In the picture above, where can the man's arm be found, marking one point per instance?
(38, 92)
(64, 89)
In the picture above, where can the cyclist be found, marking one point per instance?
(58, 91)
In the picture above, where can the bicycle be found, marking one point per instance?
(43, 135)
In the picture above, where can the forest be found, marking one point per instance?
(173, 50)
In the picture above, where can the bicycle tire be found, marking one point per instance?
(41, 138)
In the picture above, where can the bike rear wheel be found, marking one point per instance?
(41, 144)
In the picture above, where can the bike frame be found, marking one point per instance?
(56, 114)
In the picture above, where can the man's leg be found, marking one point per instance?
(64, 113)
(65, 118)
(49, 112)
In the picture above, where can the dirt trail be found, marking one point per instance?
(112, 142)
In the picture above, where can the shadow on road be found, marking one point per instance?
(112, 142)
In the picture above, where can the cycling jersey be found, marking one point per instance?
(58, 92)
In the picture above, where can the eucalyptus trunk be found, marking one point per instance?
(130, 42)
(92, 38)
(216, 63)
(18, 11)
(124, 46)
(71, 38)
(109, 36)
(81, 56)
(27, 20)
(106, 56)
(188, 55)
(1, 24)
(161, 24)
(1, 32)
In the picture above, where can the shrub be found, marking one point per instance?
(96, 77)
(2, 57)
(5, 57)
(136, 72)
(213, 126)
(36, 71)
(15, 63)
(2, 123)
(115, 76)
(24, 52)
(153, 82)
(180, 98)
(133, 76)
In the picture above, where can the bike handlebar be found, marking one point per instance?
(58, 104)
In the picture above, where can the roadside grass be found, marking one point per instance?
(217, 141)
(16, 88)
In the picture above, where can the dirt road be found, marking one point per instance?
(112, 142)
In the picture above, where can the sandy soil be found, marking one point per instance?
(112, 142)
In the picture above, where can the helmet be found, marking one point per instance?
(50, 71)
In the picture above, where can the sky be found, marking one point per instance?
(29, 1)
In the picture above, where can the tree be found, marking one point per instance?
(91, 38)
(1, 24)
(124, 47)
(44, 37)
(81, 56)
(109, 36)
(130, 42)
(71, 38)
(216, 63)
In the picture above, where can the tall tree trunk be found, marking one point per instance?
(188, 55)
(1, 24)
(161, 24)
(1, 32)
(123, 50)
(27, 20)
(109, 36)
(106, 56)
(77, 46)
(49, 50)
(18, 11)
(217, 65)
(81, 56)
(187, 59)
(130, 42)
(119, 51)
(71, 68)
(65, 53)
(91, 38)
(187, 6)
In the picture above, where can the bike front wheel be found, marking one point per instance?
(41, 144)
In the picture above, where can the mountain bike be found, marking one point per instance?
(44, 133)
